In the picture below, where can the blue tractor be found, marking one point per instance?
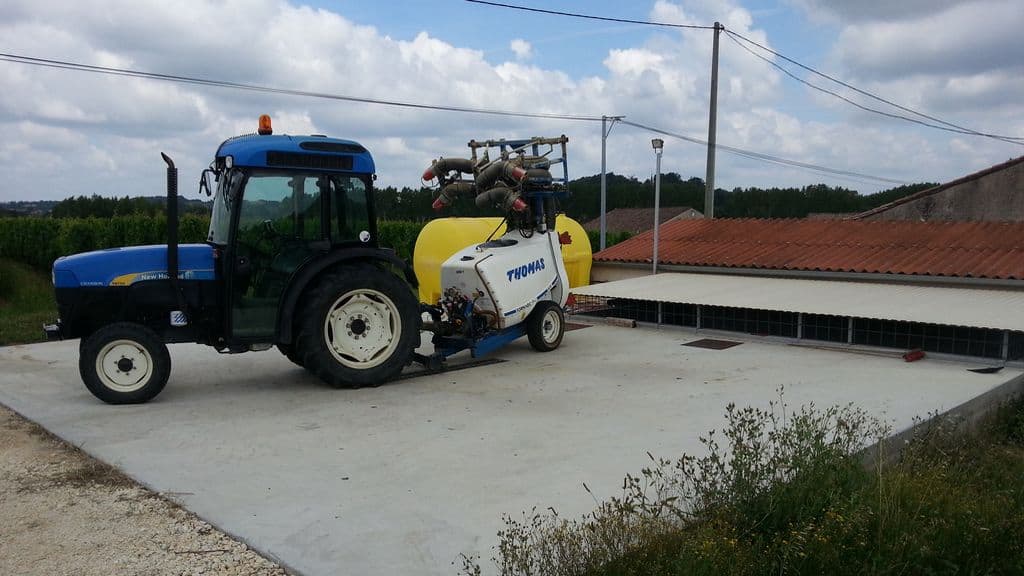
(291, 260)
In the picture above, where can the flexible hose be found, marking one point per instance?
(453, 190)
(502, 169)
(507, 198)
(442, 166)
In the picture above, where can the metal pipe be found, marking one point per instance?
(657, 205)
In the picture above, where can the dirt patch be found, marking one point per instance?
(66, 513)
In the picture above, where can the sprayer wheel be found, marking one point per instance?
(545, 326)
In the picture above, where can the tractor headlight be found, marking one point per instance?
(229, 161)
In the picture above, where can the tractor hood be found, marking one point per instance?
(126, 266)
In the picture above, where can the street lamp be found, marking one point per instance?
(657, 144)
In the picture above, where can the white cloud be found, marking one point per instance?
(873, 10)
(85, 133)
(522, 49)
(971, 38)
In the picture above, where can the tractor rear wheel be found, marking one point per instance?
(545, 326)
(124, 363)
(359, 327)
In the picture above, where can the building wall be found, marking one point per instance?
(612, 271)
(994, 197)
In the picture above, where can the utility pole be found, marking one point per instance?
(606, 129)
(709, 180)
(658, 144)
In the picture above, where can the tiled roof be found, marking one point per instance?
(635, 220)
(941, 187)
(958, 249)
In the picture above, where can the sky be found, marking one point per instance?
(68, 133)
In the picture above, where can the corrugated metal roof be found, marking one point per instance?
(975, 307)
(956, 249)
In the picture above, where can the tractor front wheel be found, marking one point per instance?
(359, 327)
(124, 363)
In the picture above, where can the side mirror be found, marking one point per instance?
(204, 184)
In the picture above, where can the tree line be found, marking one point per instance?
(97, 206)
(413, 204)
(628, 192)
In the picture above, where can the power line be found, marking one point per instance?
(591, 17)
(861, 106)
(64, 65)
(47, 63)
(956, 127)
(769, 158)
(947, 126)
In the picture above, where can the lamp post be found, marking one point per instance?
(657, 144)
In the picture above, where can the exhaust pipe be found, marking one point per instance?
(172, 220)
(181, 318)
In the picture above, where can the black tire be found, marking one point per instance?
(545, 326)
(290, 354)
(124, 363)
(348, 334)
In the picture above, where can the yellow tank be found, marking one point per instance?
(443, 237)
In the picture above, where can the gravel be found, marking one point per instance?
(65, 513)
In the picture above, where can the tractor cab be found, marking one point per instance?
(281, 203)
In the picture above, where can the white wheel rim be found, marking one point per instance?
(551, 326)
(362, 329)
(124, 365)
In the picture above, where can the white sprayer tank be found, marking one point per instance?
(508, 276)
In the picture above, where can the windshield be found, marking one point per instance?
(223, 200)
(290, 204)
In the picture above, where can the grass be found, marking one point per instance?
(26, 303)
(788, 494)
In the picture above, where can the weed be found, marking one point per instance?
(765, 480)
(789, 494)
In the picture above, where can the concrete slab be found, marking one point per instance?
(400, 479)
